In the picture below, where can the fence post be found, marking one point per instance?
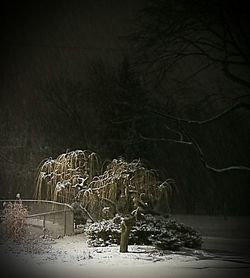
(44, 230)
(65, 220)
(44, 222)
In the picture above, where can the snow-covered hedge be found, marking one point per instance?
(164, 233)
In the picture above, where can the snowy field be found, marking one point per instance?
(225, 253)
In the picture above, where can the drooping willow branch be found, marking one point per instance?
(76, 176)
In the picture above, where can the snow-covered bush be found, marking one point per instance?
(15, 220)
(164, 233)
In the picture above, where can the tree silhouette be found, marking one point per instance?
(216, 32)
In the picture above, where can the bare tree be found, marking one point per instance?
(216, 32)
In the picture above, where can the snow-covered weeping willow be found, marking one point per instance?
(119, 188)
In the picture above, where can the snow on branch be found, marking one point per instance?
(232, 108)
(193, 142)
(165, 139)
(214, 169)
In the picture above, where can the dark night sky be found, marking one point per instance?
(45, 40)
(73, 29)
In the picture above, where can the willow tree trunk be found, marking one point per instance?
(126, 226)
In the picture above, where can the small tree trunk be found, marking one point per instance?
(126, 226)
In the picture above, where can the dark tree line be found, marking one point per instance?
(134, 108)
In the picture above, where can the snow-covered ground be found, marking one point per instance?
(70, 256)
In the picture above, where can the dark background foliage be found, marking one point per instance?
(103, 75)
